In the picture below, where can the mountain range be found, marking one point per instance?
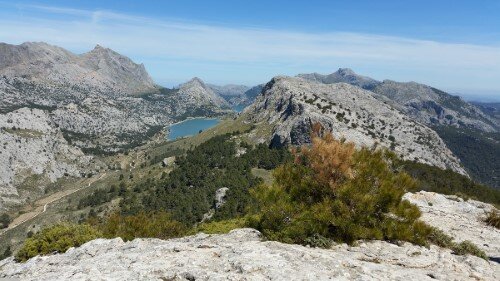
(82, 139)
(101, 102)
(56, 106)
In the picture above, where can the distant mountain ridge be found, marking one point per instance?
(287, 107)
(470, 130)
(100, 68)
(423, 103)
(343, 75)
(237, 95)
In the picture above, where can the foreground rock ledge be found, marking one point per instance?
(243, 255)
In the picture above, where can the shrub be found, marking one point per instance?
(142, 225)
(339, 193)
(318, 241)
(493, 219)
(467, 247)
(438, 237)
(57, 238)
(4, 220)
(219, 227)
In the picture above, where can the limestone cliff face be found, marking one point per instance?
(291, 105)
(244, 255)
(33, 153)
(420, 102)
(100, 68)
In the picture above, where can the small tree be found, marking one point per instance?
(336, 192)
(4, 220)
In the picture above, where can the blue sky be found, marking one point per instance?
(452, 45)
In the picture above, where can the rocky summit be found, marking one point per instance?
(101, 68)
(244, 255)
(289, 106)
(422, 103)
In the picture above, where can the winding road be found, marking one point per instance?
(42, 205)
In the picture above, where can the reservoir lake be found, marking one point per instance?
(190, 127)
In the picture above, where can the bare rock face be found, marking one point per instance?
(33, 149)
(196, 95)
(289, 106)
(421, 102)
(244, 255)
(462, 219)
(100, 68)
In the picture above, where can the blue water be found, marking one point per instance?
(239, 108)
(190, 127)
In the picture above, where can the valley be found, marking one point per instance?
(90, 141)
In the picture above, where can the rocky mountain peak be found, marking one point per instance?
(345, 72)
(194, 82)
(101, 69)
(195, 91)
(342, 75)
(291, 105)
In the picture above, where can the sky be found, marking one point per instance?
(451, 45)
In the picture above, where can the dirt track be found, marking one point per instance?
(42, 204)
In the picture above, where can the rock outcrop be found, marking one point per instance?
(420, 102)
(33, 153)
(244, 255)
(289, 106)
(462, 219)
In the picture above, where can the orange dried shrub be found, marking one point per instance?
(329, 158)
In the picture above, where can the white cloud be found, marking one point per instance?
(185, 44)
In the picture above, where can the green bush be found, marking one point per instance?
(142, 225)
(493, 219)
(467, 247)
(318, 241)
(219, 227)
(4, 220)
(339, 193)
(438, 237)
(333, 192)
(57, 238)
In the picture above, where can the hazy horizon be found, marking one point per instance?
(248, 44)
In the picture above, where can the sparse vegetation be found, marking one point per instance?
(4, 220)
(142, 225)
(430, 178)
(493, 219)
(468, 248)
(56, 239)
